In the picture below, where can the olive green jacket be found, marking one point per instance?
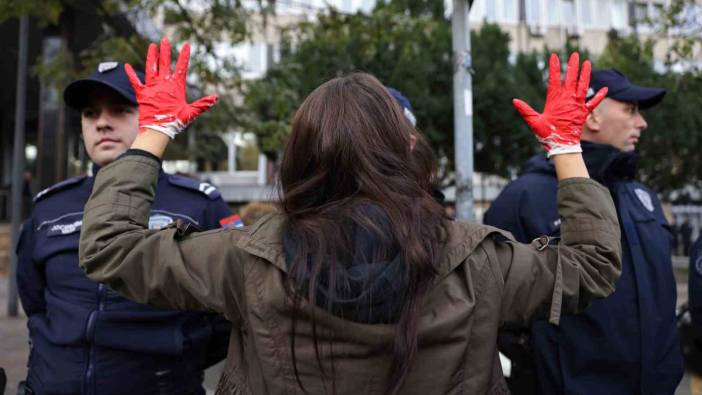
(484, 279)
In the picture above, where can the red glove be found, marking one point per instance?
(561, 124)
(161, 99)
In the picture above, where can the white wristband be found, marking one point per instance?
(170, 129)
(558, 149)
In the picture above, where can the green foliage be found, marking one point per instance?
(407, 46)
(409, 53)
(206, 24)
(46, 12)
(502, 139)
(680, 25)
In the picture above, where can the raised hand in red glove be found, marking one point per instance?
(560, 126)
(161, 98)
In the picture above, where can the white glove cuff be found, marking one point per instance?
(558, 149)
(170, 129)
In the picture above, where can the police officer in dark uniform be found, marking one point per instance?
(627, 343)
(691, 330)
(84, 338)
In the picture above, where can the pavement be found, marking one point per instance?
(14, 346)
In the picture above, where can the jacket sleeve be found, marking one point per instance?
(221, 328)
(538, 277)
(31, 280)
(166, 268)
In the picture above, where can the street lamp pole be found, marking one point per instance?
(18, 161)
(462, 110)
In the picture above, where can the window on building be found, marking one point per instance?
(568, 13)
(618, 15)
(600, 14)
(691, 20)
(585, 8)
(656, 11)
(509, 11)
(553, 9)
(477, 11)
(247, 153)
(491, 10)
(257, 58)
(638, 13)
(534, 16)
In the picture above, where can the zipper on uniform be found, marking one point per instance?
(89, 335)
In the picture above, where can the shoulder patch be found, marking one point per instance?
(205, 188)
(698, 265)
(645, 199)
(58, 187)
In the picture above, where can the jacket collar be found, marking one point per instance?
(605, 163)
(265, 241)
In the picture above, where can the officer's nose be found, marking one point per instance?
(641, 123)
(103, 121)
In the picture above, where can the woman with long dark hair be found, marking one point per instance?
(360, 284)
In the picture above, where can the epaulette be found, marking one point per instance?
(205, 188)
(58, 187)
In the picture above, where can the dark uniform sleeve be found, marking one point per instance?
(695, 284)
(167, 267)
(562, 278)
(505, 213)
(216, 210)
(519, 212)
(31, 280)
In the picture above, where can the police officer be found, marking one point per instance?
(84, 338)
(692, 335)
(628, 342)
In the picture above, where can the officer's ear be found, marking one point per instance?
(592, 122)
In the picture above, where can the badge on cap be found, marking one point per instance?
(107, 66)
(644, 198)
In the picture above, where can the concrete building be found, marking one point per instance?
(536, 24)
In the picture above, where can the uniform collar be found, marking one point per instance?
(607, 164)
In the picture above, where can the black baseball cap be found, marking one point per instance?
(109, 74)
(620, 88)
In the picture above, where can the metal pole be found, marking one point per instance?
(18, 161)
(462, 111)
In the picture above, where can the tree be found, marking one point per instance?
(680, 25)
(407, 45)
(207, 24)
(502, 140)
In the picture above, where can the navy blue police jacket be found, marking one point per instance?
(627, 343)
(695, 285)
(86, 339)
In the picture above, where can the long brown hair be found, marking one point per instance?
(350, 147)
